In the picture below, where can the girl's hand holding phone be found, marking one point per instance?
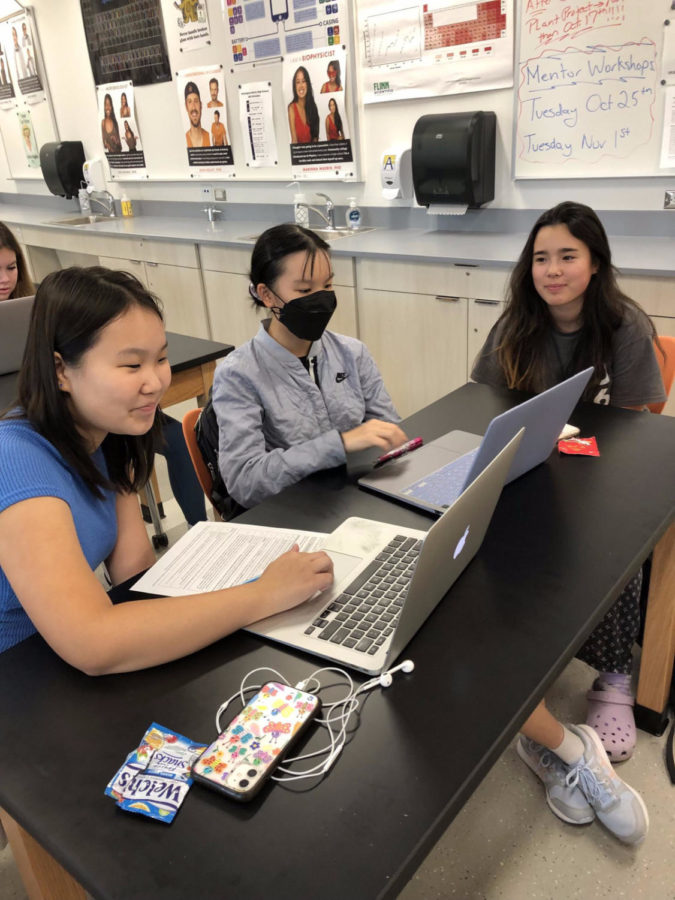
(373, 433)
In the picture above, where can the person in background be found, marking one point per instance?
(15, 280)
(303, 116)
(110, 132)
(333, 122)
(334, 83)
(195, 136)
(129, 137)
(296, 398)
(213, 91)
(125, 112)
(565, 312)
(218, 132)
(72, 455)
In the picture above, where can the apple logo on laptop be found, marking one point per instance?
(460, 543)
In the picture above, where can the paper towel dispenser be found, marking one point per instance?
(61, 164)
(453, 158)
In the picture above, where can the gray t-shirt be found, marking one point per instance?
(632, 376)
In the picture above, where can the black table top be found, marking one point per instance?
(563, 541)
(184, 353)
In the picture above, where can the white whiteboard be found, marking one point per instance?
(589, 99)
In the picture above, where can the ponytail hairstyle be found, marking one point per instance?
(273, 246)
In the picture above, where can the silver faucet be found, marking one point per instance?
(212, 212)
(328, 217)
(330, 210)
(104, 199)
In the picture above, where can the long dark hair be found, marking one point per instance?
(274, 245)
(335, 64)
(71, 308)
(337, 118)
(526, 320)
(311, 112)
(24, 284)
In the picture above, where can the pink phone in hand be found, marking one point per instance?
(408, 447)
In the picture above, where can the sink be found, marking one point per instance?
(81, 220)
(328, 234)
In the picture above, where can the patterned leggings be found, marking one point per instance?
(610, 646)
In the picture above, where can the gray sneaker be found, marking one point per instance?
(619, 807)
(566, 801)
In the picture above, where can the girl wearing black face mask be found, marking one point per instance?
(296, 398)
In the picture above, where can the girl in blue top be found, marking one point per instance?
(72, 456)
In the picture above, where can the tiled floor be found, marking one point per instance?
(505, 844)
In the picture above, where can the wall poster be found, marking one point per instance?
(412, 48)
(119, 130)
(256, 118)
(318, 117)
(187, 24)
(125, 39)
(201, 98)
(29, 141)
(266, 29)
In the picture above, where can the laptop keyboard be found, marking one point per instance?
(443, 487)
(365, 614)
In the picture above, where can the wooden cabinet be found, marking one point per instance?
(418, 342)
(483, 314)
(235, 319)
(178, 284)
(424, 324)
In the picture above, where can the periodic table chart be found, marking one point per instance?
(412, 49)
(264, 29)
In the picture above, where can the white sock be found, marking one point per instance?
(571, 749)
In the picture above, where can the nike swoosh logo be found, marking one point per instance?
(341, 377)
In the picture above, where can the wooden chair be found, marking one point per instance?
(203, 474)
(666, 365)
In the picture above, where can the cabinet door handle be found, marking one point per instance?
(488, 302)
(153, 264)
(445, 297)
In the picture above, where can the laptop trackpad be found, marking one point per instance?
(343, 565)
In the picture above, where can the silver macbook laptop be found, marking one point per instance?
(433, 476)
(388, 579)
(14, 321)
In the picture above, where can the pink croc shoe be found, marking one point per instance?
(610, 713)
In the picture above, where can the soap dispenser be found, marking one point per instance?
(353, 215)
(300, 210)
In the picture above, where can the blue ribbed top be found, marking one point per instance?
(32, 467)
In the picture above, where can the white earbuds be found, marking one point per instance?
(386, 678)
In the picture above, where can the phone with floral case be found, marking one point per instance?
(243, 757)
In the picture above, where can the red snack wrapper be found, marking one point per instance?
(578, 446)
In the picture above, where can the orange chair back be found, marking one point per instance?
(666, 365)
(202, 472)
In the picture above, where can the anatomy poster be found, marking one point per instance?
(427, 49)
(318, 119)
(187, 24)
(268, 29)
(120, 135)
(201, 98)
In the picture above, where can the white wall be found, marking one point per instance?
(61, 32)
